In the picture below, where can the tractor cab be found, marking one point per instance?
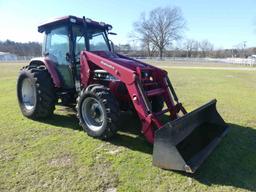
(66, 37)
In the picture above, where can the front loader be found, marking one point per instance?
(80, 67)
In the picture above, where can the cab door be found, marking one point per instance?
(57, 48)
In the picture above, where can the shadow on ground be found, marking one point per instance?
(233, 163)
(66, 121)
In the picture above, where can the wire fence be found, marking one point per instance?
(12, 58)
(248, 62)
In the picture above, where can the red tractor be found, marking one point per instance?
(80, 67)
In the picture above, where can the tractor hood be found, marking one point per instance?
(121, 60)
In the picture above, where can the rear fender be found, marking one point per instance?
(50, 67)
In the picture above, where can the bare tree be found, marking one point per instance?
(206, 47)
(191, 46)
(160, 28)
(145, 43)
(148, 46)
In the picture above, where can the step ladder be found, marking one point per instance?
(152, 86)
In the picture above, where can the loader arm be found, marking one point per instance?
(134, 85)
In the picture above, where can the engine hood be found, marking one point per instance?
(128, 63)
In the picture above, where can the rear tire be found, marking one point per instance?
(35, 92)
(98, 112)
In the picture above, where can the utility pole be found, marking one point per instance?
(244, 45)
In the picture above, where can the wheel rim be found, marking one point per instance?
(28, 94)
(92, 113)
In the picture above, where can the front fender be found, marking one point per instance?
(49, 64)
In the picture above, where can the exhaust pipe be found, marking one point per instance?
(183, 144)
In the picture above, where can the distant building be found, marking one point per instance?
(5, 56)
(252, 57)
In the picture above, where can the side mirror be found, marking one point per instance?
(112, 33)
(112, 46)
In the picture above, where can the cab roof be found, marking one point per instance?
(72, 19)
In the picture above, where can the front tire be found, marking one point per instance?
(35, 92)
(98, 113)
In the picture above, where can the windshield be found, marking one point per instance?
(96, 41)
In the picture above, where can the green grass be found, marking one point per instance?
(56, 155)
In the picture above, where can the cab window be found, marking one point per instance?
(98, 42)
(79, 41)
(57, 45)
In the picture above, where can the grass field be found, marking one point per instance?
(56, 155)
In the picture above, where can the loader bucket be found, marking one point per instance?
(183, 144)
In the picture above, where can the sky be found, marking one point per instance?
(225, 23)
